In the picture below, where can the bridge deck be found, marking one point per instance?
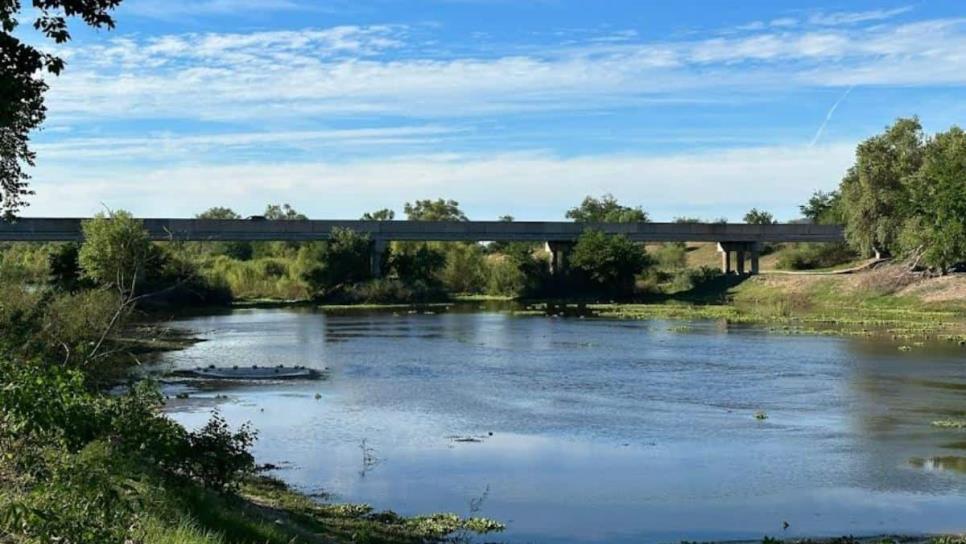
(69, 229)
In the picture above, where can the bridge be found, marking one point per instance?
(741, 240)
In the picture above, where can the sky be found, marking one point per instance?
(520, 107)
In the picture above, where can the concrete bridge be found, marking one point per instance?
(741, 240)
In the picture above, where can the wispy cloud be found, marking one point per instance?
(172, 9)
(355, 70)
(854, 17)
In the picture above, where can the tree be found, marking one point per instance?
(606, 209)
(936, 224)
(759, 217)
(384, 214)
(22, 86)
(875, 193)
(241, 251)
(434, 210)
(823, 208)
(342, 260)
(117, 251)
(609, 262)
(465, 270)
(284, 212)
(218, 212)
(417, 263)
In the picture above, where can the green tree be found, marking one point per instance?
(823, 208)
(341, 260)
(64, 272)
(417, 263)
(465, 270)
(759, 217)
(434, 210)
(241, 251)
(218, 212)
(22, 86)
(875, 192)
(283, 212)
(936, 224)
(384, 214)
(606, 209)
(117, 251)
(609, 262)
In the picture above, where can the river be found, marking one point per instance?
(586, 430)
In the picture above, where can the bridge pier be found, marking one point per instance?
(741, 249)
(559, 253)
(377, 250)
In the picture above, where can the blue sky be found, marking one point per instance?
(515, 107)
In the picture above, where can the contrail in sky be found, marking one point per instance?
(828, 116)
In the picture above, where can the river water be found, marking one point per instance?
(585, 430)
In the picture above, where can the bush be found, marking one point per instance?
(812, 256)
(693, 279)
(608, 263)
(465, 270)
(504, 277)
(671, 257)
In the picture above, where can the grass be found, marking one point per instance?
(878, 303)
(266, 511)
(950, 423)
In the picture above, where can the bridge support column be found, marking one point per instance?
(559, 253)
(741, 250)
(377, 250)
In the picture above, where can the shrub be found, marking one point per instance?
(671, 256)
(689, 279)
(504, 277)
(812, 256)
(465, 270)
(608, 263)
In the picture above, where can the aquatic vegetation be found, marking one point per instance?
(950, 423)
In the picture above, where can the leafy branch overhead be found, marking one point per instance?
(22, 84)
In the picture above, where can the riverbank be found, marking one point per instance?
(888, 302)
(266, 511)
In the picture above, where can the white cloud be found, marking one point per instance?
(853, 17)
(533, 185)
(172, 9)
(382, 70)
(173, 147)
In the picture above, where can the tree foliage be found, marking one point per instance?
(283, 212)
(935, 226)
(434, 210)
(875, 190)
(609, 262)
(341, 260)
(606, 209)
(759, 217)
(22, 86)
(117, 251)
(384, 214)
(823, 208)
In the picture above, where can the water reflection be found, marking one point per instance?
(589, 430)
